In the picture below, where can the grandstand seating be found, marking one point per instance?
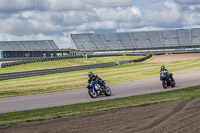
(155, 39)
(16, 45)
(44, 45)
(142, 40)
(183, 36)
(52, 43)
(113, 41)
(28, 45)
(170, 38)
(195, 37)
(178, 38)
(98, 40)
(87, 42)
(127, 40)
(4, 45)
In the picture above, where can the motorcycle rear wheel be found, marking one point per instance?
(173, 83)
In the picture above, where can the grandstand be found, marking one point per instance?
(143, 40)
(37, 48)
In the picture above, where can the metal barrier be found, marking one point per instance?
(124, 62)
(142, 59)
(136, 60)
(40, 59)
(104, 55)
(14, 75)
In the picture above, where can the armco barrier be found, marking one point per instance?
(14, 75)
(104, 55)
(142, 59)
(124, 62)
(136, 60)
(40, 59)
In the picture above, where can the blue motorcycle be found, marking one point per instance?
(94, 89)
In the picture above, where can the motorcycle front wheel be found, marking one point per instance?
(164, 84)
(107, 91)
(92, 93)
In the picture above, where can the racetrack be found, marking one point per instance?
(131, 88)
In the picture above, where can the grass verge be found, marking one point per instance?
(104, 105)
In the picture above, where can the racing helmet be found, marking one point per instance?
(162, 67)
(90, 74)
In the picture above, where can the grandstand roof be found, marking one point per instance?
(36, 45)
(176, 38)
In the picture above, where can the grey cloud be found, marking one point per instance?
(98, 25)
(6, 5)
(41, 5)
(155, 5)
(118, 14)
(159, 14)
(56, 19)
(72, 18)
(188, 2)
(109, 3)
(10, 6)
(60, 5)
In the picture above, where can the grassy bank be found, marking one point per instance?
(65, 63)
(85, 108)
(78, 79)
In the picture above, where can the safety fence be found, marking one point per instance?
(40, 59)
(14, 75)
(142, 59)
(124, 62)
(104, 55)
(136, 60)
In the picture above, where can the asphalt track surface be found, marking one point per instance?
(130, 88)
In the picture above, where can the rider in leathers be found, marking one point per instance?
(163, 69)
(93, 77)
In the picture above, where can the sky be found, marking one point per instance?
(57, 19)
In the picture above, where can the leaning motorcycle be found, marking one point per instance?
(94, 89)
(167, 79)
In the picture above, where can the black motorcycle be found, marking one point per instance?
(167, 79)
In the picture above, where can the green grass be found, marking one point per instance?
(65, 63)
(105, 105)
(78, 79)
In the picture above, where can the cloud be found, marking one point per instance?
(13, 5)
(56, 19)
(187, 2)
(102, 25)
(118, 14)
(165, 15)
(67, 4)
(109, 3)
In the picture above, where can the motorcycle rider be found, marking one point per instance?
(163, 69)
(93, 77)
